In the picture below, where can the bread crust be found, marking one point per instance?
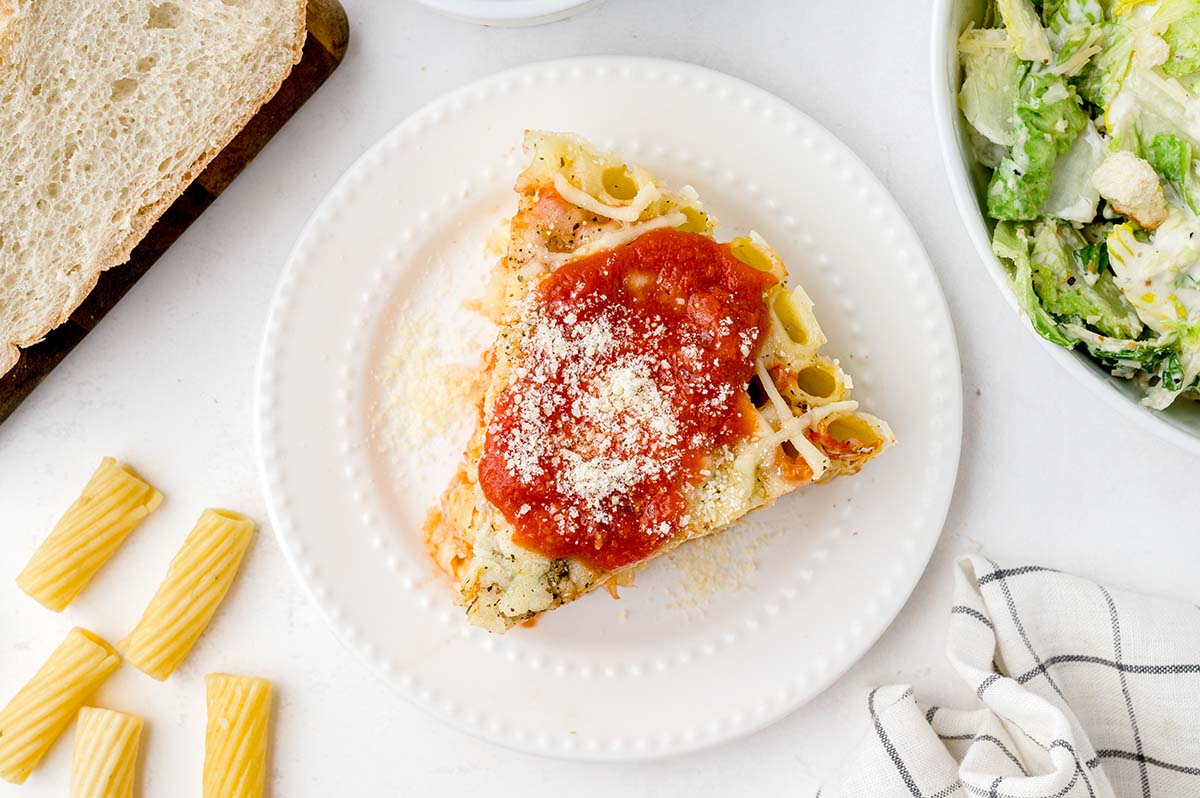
(10, 351)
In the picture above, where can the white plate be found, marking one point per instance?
(693, 655)
(1181, 422)
(508, 13)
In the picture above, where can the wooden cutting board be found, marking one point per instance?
(328, 35)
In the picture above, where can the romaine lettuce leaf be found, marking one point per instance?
(1149, 104)
(1101, 78)
(991, 16)
(1171, 157)
(1074, 32)
(1092, 259)
(1165, 366)
(1182, 35)
(1010, 242)
(1062, 15)
(1067, 291)
(985, 151)
(1025, 30)
(1168, 379)
(1122, 7)
(1139, 353)
(989, 91)
(1072, 195)
(1047, 120)
(1191, 83)
(1076, 53)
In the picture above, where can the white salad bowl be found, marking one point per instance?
(1181, 422)
(508, 13)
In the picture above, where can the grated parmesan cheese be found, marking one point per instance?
(624, 423)
(423, 397)
(596, 405)
(714, 567)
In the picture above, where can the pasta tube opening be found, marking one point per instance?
(817, 381)
(112, 504)
(196, 582)
(39, 713)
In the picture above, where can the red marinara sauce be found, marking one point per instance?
(632, 369)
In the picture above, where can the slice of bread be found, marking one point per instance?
(109, 109)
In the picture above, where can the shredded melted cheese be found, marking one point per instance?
(630, 213)
(792, 429)
(611, 239)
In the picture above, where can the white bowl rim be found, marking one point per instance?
(508, 12)
(945, 112)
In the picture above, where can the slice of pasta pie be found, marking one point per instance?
(648, 386)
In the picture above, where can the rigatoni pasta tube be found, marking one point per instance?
(197, 580)
(105, 757)
(38, 714)
(115, 500)
(235, 741)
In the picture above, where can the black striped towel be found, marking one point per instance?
(1087, 692)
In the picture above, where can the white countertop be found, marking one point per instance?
(1048, 474)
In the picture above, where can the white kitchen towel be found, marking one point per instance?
(1087, 692)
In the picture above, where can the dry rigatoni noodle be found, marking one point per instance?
(114, 501)
(38, 714)
(235, 741)
(105, 757)
(198, 579)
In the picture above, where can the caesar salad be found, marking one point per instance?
(1086, 116)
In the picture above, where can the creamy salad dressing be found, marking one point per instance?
(1161, 278)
